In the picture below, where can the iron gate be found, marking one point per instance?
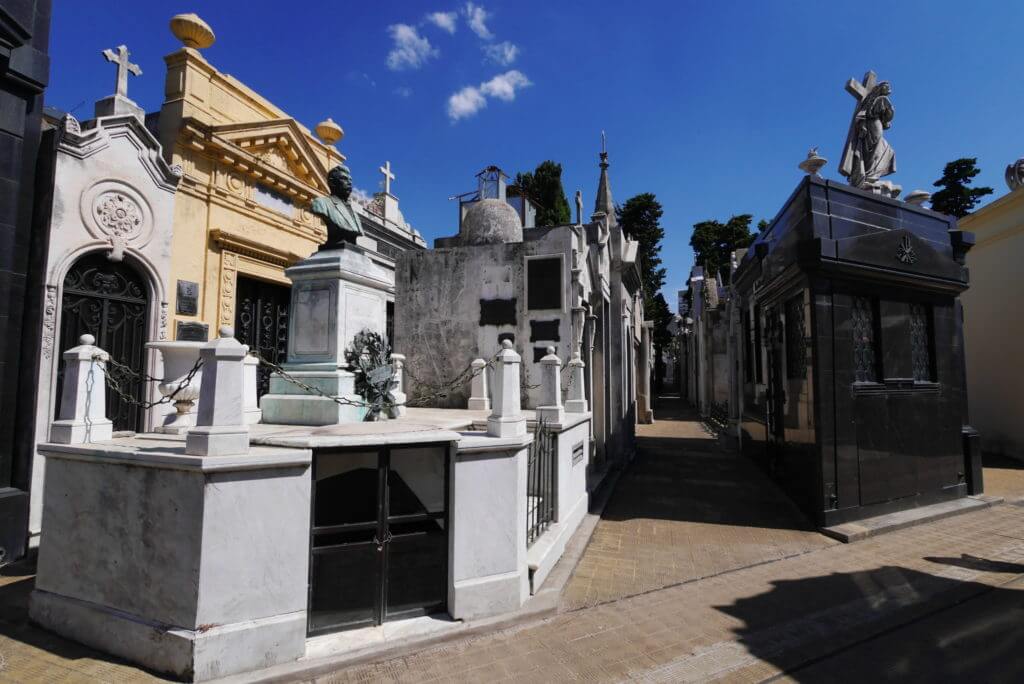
(541, 482)
(261, 321)
(108, 300)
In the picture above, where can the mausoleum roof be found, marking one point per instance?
(491, 221)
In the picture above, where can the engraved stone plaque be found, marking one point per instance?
(192, 331)
(311, 320)
(188, 298)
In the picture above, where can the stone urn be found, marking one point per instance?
(179, 358)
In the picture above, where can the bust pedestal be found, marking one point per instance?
(336, 293)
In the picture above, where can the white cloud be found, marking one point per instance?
(361, 196)
(476, 17)
(443, 20)
(472, 99)
(411, 50)
(503, 53)
(403, 91)
(504, 86)
(466, 102)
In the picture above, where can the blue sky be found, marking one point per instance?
(708, 105)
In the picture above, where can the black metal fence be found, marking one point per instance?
(541, 482)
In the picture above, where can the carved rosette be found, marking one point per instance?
(114, 211)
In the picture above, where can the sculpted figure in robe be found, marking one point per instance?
(867, 156)
(342, 223)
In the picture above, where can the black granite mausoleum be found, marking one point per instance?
(851, 355)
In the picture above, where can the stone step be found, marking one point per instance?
(871, 527)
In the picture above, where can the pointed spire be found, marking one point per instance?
(603, 201)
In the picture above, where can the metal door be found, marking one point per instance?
(108, 300)
(379, 536)
(261, 321)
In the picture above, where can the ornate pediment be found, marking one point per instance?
(276, 153)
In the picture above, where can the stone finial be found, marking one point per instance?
(1015, 174)
(478, 398)
(192, 31)
(506, 419)
(398, 375)
(917, 197)
(83, 401)
(221, 429)
(550, 409)
(329, 132)
(813, 163)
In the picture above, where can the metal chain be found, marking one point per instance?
(118, 374)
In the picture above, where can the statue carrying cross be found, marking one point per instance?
(388, 177)
(120, 58)
(867, 156)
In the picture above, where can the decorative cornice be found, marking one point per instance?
(254, 248)
(210, 142)
(96, 138)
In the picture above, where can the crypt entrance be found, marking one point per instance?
(261, 321)
(379, 535)
(110, 301)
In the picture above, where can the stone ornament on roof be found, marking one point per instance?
(867, 156)
(1015, 174)
(329, 132)
(192, 31)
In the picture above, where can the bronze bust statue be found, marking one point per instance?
(342, 223)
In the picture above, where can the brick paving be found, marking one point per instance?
(685, 509)
(739, 590)
(1004, 476)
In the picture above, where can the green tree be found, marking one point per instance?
(544, 186)
(640, 219)
(955, 198)
(713, 242)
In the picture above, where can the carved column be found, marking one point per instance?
(228, 281)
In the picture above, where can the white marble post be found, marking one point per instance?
(398, 364)
(550, 409)
(506, 419)
(220, 424)
(250, 388)
(478, 398)
(577, 401)
(83, 402)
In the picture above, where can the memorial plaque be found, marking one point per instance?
(498, 311)
(192, 331)
(544, 331)
(188, 298)
(577, 453)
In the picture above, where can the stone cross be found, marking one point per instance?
(860, 90)
(120, 58)
(579, 208)
(388, 177)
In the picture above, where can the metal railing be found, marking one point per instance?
(541, 482)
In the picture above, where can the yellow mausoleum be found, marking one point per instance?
(250, 173)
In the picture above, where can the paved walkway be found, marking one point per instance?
(701, 571)
(684, 510)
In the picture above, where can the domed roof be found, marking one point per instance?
(491, 221)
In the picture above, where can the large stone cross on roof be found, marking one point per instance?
(388, 177)
(861, 90)
(120, 58)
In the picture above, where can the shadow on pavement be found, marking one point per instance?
(885, 625)
(681, 473)
(979, 564)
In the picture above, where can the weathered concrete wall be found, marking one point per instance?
(454, 305)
